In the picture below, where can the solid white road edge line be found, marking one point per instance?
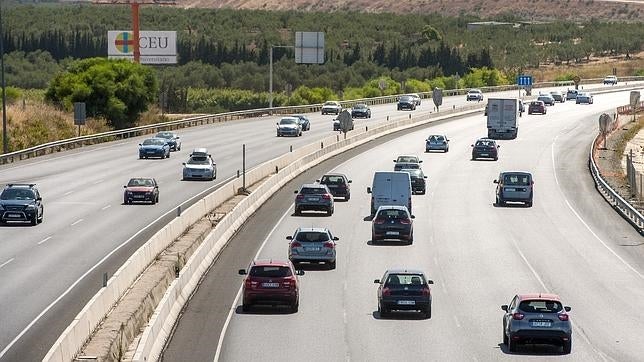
(44, 240)
(106, 207)
(7, 262)
(77, 222)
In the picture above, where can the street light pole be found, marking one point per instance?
(5, 138)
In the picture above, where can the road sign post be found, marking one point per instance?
(525, 82)
(635, 102)
(79, 115)
(346, 122)
(604, 126)
(437, 97)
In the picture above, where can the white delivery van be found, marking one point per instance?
(503, 117)
(390, 188)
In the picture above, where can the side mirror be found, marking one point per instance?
(496, 181)
(424, 176)
(39, 199)
(394, 160)
(299, 272)
(295, 192)
(498, 146)
(429, 281)
(350, 181)
(421, 161)
(413, 216)
(377, 281)
(471, 145)
(447, 139)
(335, 238)
(178, 137)
(124, 187)
(183, 163)
(504, 307)
(531, 182)
(289, 237)
(368, 190)
(242, 271)
(317, 180)
(140, 144)
(567, 309)
(277, 124)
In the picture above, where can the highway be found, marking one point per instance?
(570, 243)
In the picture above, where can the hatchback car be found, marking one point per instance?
(200, 166)
(154, 147)
(537, 107)
(418, 183)
(404, 289)
(21, 203)
(558, 96)
(406, 102)
(485, 148)
(392, 222)
(547, 99)
(514, 187)
(141, 189)
(437, 142)
(571, 94)
(474, 95)
(584, 98)
(289, 126)
(173, 140)
(338, 184)
(361, 110)
(312, 245)
(331, 107)
(536, 318)
(314, 197)
(271, 282)
(399, 166)
(408, 159)
(304, 122)
(416, 98)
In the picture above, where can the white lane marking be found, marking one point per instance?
(77, 222)
(44, 240)
(222, 335)
(7, 262)
(68, 193)
(97, 182)
(552, 153)
(106, 207)
(458, 324)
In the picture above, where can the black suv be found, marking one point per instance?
(21, 202)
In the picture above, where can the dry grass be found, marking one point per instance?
(596, 68)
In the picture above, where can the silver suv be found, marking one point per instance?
(515, 187)
(314, 197)
(313, 245)
(536, 318)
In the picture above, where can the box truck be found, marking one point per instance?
(503, 117)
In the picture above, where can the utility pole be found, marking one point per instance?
(270, 74)
(5, 131)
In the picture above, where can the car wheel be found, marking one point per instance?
(347, 198)
(428, 312)
(496, 158)
(567, 346)
(298, 212)
(245, 307)
(332, 265)
(505, 338)
(374, 238)
(447, 150)
(512, 345)
(295, 307)
(411, 239)
(329, 212)
(140, 157)
(154, 201)
(34, 220)
(42, 217)
(384, 312)
(529, 203)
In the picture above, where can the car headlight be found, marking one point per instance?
(30, 207)
(128, 192)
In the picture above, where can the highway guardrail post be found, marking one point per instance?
(105, 279)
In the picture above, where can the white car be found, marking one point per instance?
(474, 95)
(610, 79)
(200, 166)
(331, 107)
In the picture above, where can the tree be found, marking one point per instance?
(431, 34)
(118, 90)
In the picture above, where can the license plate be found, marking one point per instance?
(392, 233)
(313, 199)
(484, 154)
(546, 324)
(311, 249)
(138, 196)
(406, 302)
(14, 215)
(331, 186)
(270, 285)
(509, 189)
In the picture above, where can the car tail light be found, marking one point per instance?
(517, 316)
(300, 197)
(386, 292)
(296, 244)
(326, 197)
(250, 283)
(379, 221)
(289, 283)
(563, 317)
(329, 244)
(426, 292)
(405, 221)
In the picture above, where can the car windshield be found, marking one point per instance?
(360, 106)
(407, 159)
(540, 306)
(330, 104)
(392, 214)
(516, 180)
(474, 91)
(435, 138)
(165, 135)
(405, 99)
(334, 180)
(485, 143)
(270, 271)
(313, 191)
(145, 182)
(405, 279)
(153, 142)
(287, 121)
(198, 160)
(17, 194)
(312, 236)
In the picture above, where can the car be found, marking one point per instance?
(21, 203)
(361, 110)
(584, 98)
(200, 166)
(416, 98)
(408, 159)
(338, 184)
(485, 148)
(399, 166)
(315, 197)
(336, 125)
(418, 183)
(547, 99)
(304, 122)
(571, 94)
(437, 142)
(474, 95)
(404, 289)
(406, 102)
(515, 187)
(271, 282)
(141, 189)
(173, 140)
(312, 245)
(289, 126)
(331, 107)
(392, 222)
(536, 318)
(558, 96)
(537, 107)
(154, 147)
(610, 79)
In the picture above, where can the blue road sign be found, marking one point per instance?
(524, 80)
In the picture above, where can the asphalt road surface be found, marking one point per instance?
(570, 243)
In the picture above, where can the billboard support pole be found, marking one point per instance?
(135, 29)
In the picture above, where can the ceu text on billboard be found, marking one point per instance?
(156, 47)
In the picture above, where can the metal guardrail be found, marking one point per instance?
(619, 203)
(72, 143)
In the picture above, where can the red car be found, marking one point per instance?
(141, 190)
(537, 107)
(271, 282)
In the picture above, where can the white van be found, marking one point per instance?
(390, 188)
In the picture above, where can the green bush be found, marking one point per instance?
(639, 73)
(565, 77)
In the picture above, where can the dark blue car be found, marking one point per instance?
(154, 147)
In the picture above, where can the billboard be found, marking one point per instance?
(156, 47)
(309, 47)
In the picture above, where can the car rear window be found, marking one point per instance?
(392, 214)
(405, 279)
(313, 191)
(540, 306)
(270, 271)
(518, 180)
(485, 143)
(335, 180)
(408, 166)
(536, 103)
(312, 236)
(407, 159)
(436, 138)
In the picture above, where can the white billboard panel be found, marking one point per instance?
(309, 47)
(156, 47)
